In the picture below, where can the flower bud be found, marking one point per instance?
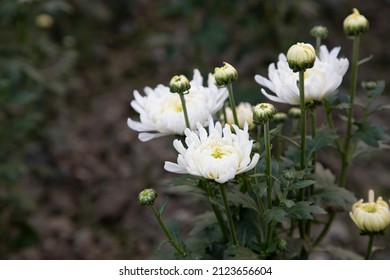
(301, 56)
(244, 114)
(371, 217)
(280, 118)
(282, 245)
(263, 112)
(44, 21)
(319, 32)
(179, 84)
(369, 85)
(355, 24)
(289, 175)
(294, 113)
(147, 197)
(225, 75)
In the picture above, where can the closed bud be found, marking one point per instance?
(289, 175)
(263, 112)
(319, 32)
(280, 118)
(355, 24)
(225, 75)
(179, 84)
(372, 216)
(294, 113)
(147, 197)
(369, 85)
(244, 114)
(301, 56)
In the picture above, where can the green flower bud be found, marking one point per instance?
(294, 113)
(225, 75)
(179, 84)
(301, 56)
(289, 175)
(319, 32)
(282, 245)
(263, 112)
(44, 21)
(355, 24)
(369, 85)
(147, 197)
(280, 118)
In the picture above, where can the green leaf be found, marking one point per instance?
(334, 196)
(203, 221)
(287, 202)
(303, 210)
(302, 184)
(276, 214)
(243, 199)
(370, 133)
(240, 253)
(324, 136)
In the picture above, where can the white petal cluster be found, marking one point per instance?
(161, 113)
(244, 114)
(219, 155)
(320, 81)
(372, 216)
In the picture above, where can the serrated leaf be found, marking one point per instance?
(302, 184)
(276, 214)
(370, 133)
(303, 210)
(243, 199)
(324, 136)
(334, 196)
(287, 202)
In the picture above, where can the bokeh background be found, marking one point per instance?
(71, 169)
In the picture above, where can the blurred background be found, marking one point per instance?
(71, 169)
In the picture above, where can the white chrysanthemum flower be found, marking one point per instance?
(219, 155)
(320, 81)
(244, 114)
(161, 111)
(372, 216)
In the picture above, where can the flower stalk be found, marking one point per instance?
(177, 247)
(232, 228)
(369, 246)
(346, 147)
(185, 112)
(232, 103)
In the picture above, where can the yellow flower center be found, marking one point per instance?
(218, 153)
(370, 208)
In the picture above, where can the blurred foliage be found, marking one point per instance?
(61, 53)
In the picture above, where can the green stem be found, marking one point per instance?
(303, 143)
(167, 233)
(318, 45)
(314, 160)
(303, 118)
(279, 145)
(217, 212)
(233, 233)
(268, 171)
(267, 143)
(346, 149)
(369, 247)
(232, 103)
(185, 112)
